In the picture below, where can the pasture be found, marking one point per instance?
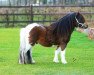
(79, 54)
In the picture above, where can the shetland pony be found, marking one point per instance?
(58, 33)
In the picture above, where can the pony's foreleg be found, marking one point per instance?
(63, 60)
(56, 55)
(63, 50)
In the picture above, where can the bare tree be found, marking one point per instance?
(9, 2)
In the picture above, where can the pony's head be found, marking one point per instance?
(66, 24)
(80, 21)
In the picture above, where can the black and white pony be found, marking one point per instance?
(57, 33)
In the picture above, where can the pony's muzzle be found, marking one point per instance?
(85, 26)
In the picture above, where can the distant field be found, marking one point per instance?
(80, 56)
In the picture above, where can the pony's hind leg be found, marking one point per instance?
(26, 57)
(56, 55)
(28, 54)
(28, 51)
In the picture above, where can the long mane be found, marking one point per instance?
(64, 26)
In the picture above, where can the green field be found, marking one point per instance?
(80, 56)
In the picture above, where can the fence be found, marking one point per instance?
(12, 16)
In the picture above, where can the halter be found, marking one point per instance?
(82, 24)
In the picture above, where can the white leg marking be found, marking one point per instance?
(33, 61)
(63, 60)
(56, 55)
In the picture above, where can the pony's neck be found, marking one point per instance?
(71, 31)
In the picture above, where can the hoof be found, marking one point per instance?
(56, 61)
(65, 62)
(33, 61)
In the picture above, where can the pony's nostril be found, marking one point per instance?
(86, 26)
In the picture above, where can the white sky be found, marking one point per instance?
(3, 0)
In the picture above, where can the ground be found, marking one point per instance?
(80, 56)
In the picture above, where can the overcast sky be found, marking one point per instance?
(3, 0)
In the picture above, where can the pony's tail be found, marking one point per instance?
(22, 39)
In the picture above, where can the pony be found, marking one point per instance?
(58, 33)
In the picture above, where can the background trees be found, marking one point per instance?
(45, 2)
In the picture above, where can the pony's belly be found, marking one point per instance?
(43, 42)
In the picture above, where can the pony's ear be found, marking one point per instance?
(77, 14)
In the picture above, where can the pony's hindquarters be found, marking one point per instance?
(25, 53)
(25, 56)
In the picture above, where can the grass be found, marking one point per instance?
(80, 56)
